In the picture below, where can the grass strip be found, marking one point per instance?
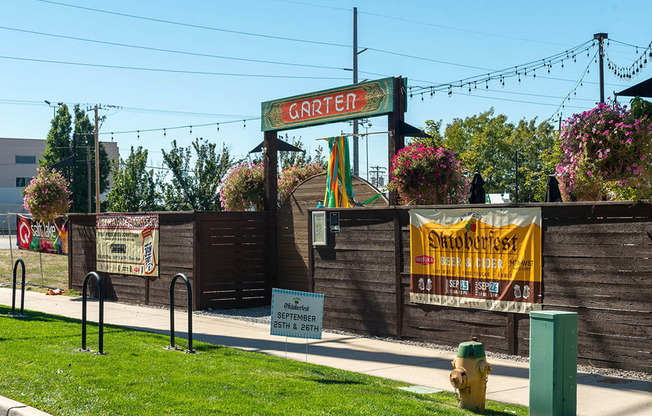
(40, 365)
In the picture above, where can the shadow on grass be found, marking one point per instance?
(331, 381)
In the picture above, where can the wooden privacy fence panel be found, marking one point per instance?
(597, 261)
(233, 260)
(223, 255)
(292, 228)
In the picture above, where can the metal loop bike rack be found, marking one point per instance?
(100, 289)
(22, 291)
(189, 289)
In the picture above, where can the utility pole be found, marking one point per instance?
(356, 156)
(97, 163)
(88, 177)
(601, 37)
(377, 170)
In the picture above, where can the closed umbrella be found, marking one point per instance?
(478, 195)
(552, 190)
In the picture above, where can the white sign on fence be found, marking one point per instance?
(297, 314)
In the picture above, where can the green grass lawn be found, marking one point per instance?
(55, 268)
(40, 366)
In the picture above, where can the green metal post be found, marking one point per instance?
(553, 363)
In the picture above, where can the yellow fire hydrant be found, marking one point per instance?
(469, 376)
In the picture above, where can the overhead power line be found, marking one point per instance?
(173, 51)
(175, 71)
(195, 26)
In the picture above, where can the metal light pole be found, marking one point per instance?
(601, 37)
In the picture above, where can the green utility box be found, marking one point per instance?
(553, 363)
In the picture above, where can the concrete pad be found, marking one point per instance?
(10, 407)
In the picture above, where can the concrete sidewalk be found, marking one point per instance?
(508, 382)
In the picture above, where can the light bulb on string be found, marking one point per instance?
(138, 134)
(111, 136)
(217, 126)
(421, 96)
(164, 133)
(191, 130)
(244, 124)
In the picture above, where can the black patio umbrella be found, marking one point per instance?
(282, 147)
(642, 89)
(478, 195)
(552, 190)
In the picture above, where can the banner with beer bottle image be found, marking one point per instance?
(127, 244)
(484, 258)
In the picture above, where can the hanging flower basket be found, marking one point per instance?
(46, 196)
(427, 175)
(607, 155)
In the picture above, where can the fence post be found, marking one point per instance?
(100, 289)
(22, 290)
(189, 290)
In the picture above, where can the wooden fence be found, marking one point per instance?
(597, 261)
(223, 254)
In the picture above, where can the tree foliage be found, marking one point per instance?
(134, 187)
(195, 180)
(59, 144)
(488, 144)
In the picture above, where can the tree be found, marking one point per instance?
(59, 146)
(195, 186)
(134, 187)
(488, 144)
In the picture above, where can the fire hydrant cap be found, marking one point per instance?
(470, 349)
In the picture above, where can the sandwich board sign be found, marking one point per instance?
(297, 314)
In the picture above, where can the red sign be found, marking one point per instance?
(324, 106)
(424, 260)
(365, 99)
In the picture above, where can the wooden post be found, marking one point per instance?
(398, 249)
(394, 119)
(270, 201)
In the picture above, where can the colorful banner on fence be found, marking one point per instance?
(481, 258)
(46, 237)
(127, 244)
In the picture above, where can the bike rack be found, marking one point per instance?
(100, 289)
(189, 289)
(22, 291)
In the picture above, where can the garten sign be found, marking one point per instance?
(128, 244)
(297, 314)
(344, 103)
(482, 258)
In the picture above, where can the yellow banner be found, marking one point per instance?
(127, 244)
(484, 258)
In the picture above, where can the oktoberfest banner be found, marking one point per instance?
(45, 237)
(484, 258)
(127, 244)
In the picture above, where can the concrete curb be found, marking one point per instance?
(10, 407)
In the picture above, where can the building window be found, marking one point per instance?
(22, 182)
(25, 160)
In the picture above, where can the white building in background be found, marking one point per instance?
(18, 165)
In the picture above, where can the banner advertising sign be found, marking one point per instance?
(482, 258)
(365, 99)
(127, 244)
(297, 314)
(46, 237)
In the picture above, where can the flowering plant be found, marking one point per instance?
(244, 185)
(606, 155)
(430, 175)
(293, 175)
(46, 196)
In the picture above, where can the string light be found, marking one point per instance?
(138, 137)
(635, 68)
(217, 125)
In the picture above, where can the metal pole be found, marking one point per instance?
(97, 165)
(11, 250)
(516, 179)
(601, 37)
(88, 177)
(40, 259)
(355, 81)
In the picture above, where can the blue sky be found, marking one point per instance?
(429, 42)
